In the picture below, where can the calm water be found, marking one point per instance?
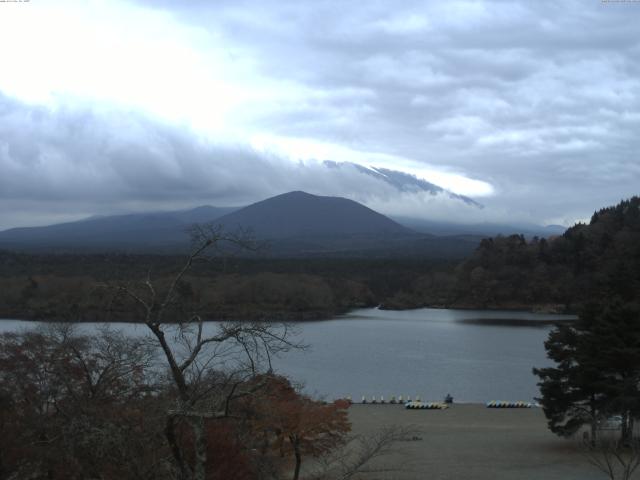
(474, 355)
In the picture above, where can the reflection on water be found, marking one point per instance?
(474, 355)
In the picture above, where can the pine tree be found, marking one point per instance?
(597, 372)
(616, 329)
(571, 392)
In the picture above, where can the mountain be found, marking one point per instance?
(402, 181)
(302, 215)
(294, 224)
(153, 231)
(298, 224)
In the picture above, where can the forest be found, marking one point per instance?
(600, 259)
(69, 287)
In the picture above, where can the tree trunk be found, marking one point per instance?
(176, 373)
(199, 447)
(594, 423)
(298, 455)
(265, 442)
(170, 433)
(625, 429)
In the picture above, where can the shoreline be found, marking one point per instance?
(320, 316)
(528, 308)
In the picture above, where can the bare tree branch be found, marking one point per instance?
(359, 455)
(613, 457)
(203, 393)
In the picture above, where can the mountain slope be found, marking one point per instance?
(295, 224)
(300, 214)
(153, 230)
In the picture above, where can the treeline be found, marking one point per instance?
(72, 287)
(561, 273)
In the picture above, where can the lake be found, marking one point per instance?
(476, 355)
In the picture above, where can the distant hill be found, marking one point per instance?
(138, 231)
(298, 224)
(302, 215)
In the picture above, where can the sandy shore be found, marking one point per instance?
(474, 442)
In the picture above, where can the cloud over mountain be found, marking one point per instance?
(530, 108)
(65, 164)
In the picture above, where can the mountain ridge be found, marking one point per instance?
(159, 228)
(297, 223)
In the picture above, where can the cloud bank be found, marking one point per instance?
(62, 165)
(531, 107)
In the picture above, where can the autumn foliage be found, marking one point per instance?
(77, 407)
(295, 425)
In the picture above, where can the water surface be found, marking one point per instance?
(476, 355)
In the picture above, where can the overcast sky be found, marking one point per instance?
(532, 108)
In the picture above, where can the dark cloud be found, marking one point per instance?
(539, 99)
(67, 164)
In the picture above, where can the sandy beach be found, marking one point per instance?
(474, 442)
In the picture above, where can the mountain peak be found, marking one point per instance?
(294, 194)
(301, 214)
(300, 194)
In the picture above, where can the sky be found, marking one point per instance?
(532, 108)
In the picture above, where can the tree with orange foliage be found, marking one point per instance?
(295, 424)
(313, 428)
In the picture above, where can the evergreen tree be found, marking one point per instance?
(616, 330)
(597, 372)
(572, 391)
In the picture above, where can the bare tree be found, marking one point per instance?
(78, 406)
(209, 367)
(357, 458)
(615, 458)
